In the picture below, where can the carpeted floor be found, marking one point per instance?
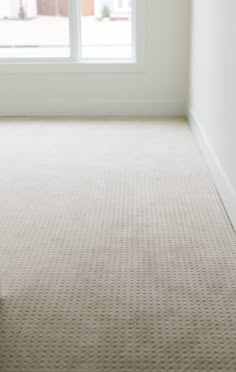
(116, 252)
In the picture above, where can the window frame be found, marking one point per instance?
(74, 63)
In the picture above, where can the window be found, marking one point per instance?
(30, 31)
(107, 34)
(71, 32)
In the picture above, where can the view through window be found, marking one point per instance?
(34, 29)
(107, 29)
(44, 29)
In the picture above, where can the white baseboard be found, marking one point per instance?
(92, 108)
(222, 182)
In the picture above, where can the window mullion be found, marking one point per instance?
(75, 29)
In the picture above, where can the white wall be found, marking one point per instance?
(161, 90)
(213, 91)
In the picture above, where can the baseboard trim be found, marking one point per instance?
(94, 108)
(222, 182)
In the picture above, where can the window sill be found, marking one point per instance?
(42, 67)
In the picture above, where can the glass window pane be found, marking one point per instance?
(34, 29)
(106, 29)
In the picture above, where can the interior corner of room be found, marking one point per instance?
(117, 185)
(183, 39)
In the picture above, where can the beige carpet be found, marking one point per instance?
(116, 252)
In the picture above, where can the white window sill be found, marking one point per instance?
(16, 67)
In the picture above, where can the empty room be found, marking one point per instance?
(117, 185)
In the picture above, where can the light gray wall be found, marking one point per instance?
(213, 79)
(161, 89)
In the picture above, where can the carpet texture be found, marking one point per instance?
(116, 252)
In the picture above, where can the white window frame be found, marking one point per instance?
(75, 63)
